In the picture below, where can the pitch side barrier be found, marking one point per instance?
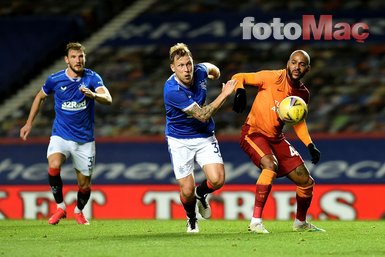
(345, 159)
(133, 179)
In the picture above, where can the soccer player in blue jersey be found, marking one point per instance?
(75, 91)
(190, 130)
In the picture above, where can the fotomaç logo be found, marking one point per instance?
(323, 30)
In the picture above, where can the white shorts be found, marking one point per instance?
(183, 153)
(83, 154)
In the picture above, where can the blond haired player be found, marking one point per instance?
(263, 141)
(190, 130)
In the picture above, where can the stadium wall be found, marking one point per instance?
(133, 179)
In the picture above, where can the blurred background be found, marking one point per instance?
(127, 43)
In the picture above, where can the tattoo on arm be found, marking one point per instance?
(202, 114)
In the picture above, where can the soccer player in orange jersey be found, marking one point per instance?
(263, 141)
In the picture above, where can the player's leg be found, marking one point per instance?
(210, 159)
(259, 151)
(263, 187)
(304, 194)
(304, 191)
(55, 162)
(188, 199)
(182, 159)
(292, 165)
(56, 155)
(83, 156)
(215, 179)
(84, 193)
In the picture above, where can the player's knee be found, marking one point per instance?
(85, 189)
(187, 196)
(271, 166)
(187, 192)
(84, 184)
(310, 182)
(55, 161)
(216, 184)
(269, 162)
(216, 180)
(306, 190)
(304, 180)
(54, 164)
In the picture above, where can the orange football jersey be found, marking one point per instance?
(273, 87)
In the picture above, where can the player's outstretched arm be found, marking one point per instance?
(240, 99)
(204, 114)
(26, 129)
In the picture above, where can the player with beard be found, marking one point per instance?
(262, 138)
(75, 91)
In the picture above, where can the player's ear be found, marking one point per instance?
(172, 67)
(308, 68)
(66, 59)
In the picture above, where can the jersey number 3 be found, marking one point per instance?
(216, 149)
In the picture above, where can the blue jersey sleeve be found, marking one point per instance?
(49, 86)
(201, 71)
(97, 81)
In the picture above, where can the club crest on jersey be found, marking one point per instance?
(74, 106)
(82, 85)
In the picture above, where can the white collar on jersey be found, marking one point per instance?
(71, 78)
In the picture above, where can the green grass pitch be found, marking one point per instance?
(217, 238)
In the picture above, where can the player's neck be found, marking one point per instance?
(73, 75)
(181, 83)
(293, 83)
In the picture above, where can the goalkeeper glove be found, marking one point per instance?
(314, 153)
(239, 100)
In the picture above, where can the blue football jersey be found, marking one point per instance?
(74, 119)
(178, 98)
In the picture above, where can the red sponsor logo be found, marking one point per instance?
(340, 202)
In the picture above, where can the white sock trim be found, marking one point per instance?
(298, 222)
(77, 210)
(256, 220)
(61, 205)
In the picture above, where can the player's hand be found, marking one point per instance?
(239, 100)
(210, 77)
(87, 92)
(24, 131)
(314, 153)
(228, 88)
